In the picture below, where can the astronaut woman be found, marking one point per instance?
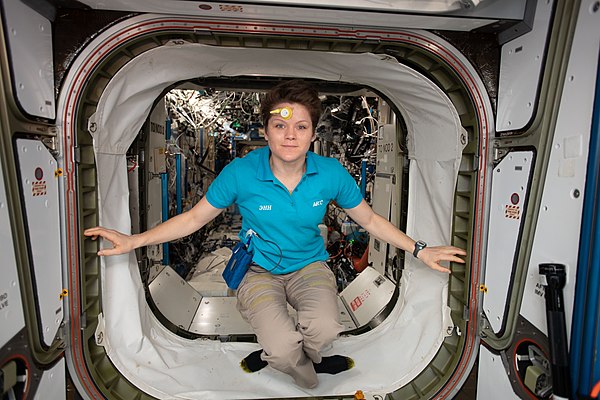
(282, 191)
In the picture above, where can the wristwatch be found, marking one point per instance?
(419, 245)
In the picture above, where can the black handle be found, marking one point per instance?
(556, 278)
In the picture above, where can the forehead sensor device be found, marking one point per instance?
(285, 112)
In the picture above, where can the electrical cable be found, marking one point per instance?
(268, 258)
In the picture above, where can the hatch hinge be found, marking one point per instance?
(50, 143)
(499, 152)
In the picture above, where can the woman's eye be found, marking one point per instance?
(302, 127)
(279, 126)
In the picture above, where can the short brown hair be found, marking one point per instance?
(294, 91)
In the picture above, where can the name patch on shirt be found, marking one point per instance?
(265, 207)
(318, 203)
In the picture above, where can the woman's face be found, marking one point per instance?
(290, 139)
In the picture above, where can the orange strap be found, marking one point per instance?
(595, 390)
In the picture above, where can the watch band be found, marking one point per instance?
(419, 245)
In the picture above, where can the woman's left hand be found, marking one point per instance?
(432, 256)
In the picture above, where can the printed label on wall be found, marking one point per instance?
(512, 212)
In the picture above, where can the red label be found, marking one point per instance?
(357, 302)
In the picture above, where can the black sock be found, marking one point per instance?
(253, 362)
(334, 364)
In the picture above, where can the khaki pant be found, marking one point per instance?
(288, 347)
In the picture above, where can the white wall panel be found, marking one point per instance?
(30, 50)
(521, 71)
(11, 308)
(39, 181)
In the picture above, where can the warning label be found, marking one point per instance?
(512, 211)
(38, 188)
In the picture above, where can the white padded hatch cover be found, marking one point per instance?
(170, 367)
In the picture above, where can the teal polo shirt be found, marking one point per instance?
(287, 223)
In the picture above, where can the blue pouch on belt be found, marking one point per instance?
(238, 264)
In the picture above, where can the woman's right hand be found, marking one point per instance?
(121, 243)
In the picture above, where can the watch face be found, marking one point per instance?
(419, 245)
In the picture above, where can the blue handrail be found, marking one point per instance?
(585, 336)
(178, 195)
